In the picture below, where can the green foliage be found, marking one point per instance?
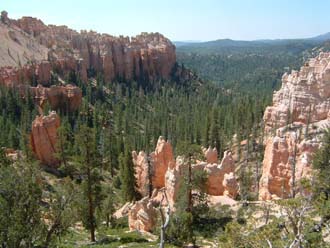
(21, 222)
(127, 177)
(87, 161)
(321, 162)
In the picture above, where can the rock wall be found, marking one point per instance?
(31, 51)
(294, 127)
(44, 138)
(143, 57)
(304, 96)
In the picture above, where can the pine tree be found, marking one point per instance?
(127, 177)
(89, 164)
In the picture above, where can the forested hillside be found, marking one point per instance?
(82, 161)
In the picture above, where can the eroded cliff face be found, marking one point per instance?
(143, 57)
(44, 138)
(30, 52)
(294, 127)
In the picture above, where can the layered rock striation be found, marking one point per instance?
(31, 52)
(145, 57)
(294, 127)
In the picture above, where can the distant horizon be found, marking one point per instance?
(182, 20)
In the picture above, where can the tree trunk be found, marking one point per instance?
(90, 206)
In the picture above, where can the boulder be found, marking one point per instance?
(44, 138)
(142, 216)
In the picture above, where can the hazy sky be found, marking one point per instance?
(183, 19)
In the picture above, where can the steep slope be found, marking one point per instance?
(294, 125)
(146, 57)
(17, 47)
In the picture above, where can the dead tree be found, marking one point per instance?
(165, 218)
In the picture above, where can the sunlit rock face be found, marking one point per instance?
(140, 162)
(211, 155)
(165, 176)
(148, 56)
(304, 96)
(142, 215)
(293, 126)
(44, 138)
(216, 174)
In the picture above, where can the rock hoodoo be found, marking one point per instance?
(294, 126)
(141, 168)
(168, 173)
(143, 57)
(44, 138)
(167, 176)
(162, 159)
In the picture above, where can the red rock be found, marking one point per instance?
(140, 162)
(162, 159)
(44, 137)
(216, 174)
(302, 104)
(211, 155)
(230, 185)
(144, 57)
(303, 97)
(43, 73)
(142, 216)
(173, 179)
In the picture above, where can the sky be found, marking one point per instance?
(183, 20)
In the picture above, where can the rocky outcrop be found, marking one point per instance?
(294, 127)
(145, 57)
(162, 159)
(66, 98)
(142, 216)
(230, 185)
(44, 138)
(304, 96)
(141, 168)
(168, 175)
(173, 179)
(32, 73)
(211, 155)
(216, 173)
